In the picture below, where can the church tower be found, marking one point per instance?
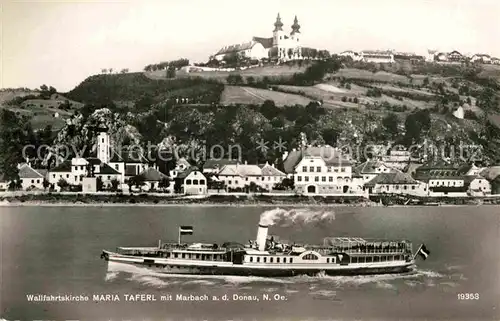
(103, 147)
(278, 33)
(295, 38)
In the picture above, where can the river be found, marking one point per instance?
(55, 251)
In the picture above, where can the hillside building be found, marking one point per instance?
(282, 45)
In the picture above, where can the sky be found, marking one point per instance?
(60, 43)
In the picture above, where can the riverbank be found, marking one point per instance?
(118, 199)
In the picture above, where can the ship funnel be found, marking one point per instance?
(262, 237)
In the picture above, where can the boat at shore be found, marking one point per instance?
(267, 256)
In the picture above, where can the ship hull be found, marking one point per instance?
(227, 268)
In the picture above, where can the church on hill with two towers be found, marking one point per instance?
(282, 45)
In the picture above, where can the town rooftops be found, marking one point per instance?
(369, 167)
(63, 167)
(236, 48)
(25, 171)
(186, 173)
(330, 155)
(219, 163)
(265, 42)
(153, 175)
(394, 178)
(241, 170)
(105, 169)
(270, 170)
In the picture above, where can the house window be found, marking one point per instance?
(277, 260)
(311, 169)
(316, 178)
(67, 175)
(310, 256)
(229, 182)
(330, 179)
(405, 187)
(413, 187)
(306, 178)
(299, 178)
(304, 168)
(103, 140)
(342, 170)
(116, 166)
(329, 169)
(38, 181)
(318, 169)
(54, 176)
(235, 182)
(32, 181)
(202, 182)
(195, 182)
(263, 178)
(188, 182)
(336, 170)
(251, 259)
(246, 179)
(323, 179)
(258, 259)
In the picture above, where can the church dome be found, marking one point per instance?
(278, 25)
(295, 26)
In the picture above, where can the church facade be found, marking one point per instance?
(281, 46)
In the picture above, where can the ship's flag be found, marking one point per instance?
(186, 230)
(424, 252)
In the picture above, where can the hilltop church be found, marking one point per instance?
(282, 45)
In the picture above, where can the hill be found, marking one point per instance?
(256, 96)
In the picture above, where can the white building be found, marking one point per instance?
(240, 175)
(481, 58)
(282, 45)
(377, 56)
(192, 181)
(270, 176)
(395, 182)
(31, 178)
(351, 54)
(322, 171)
(370, 169)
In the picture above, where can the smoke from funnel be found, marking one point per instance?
(284, 217)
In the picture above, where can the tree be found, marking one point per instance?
(104, 71)
(63, 184)
(269, 109)
(170, 72)
(164, 183)
(124, 70)
(114, 184)
(390, 123)
(250, 80)
(110, 70)
(46, 184)
(99, 184)
(139, 181)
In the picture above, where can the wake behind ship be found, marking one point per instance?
(267, 256)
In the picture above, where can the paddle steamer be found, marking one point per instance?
(267, 256)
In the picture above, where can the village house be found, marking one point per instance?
(377, 56)
(450, 180)
(192, 182)
(322, 170)
(31, 178)
(481, 58)
(370, 169)
(152, 178)
(270, 176)
(398, 159)
(60, 172)
(495, 61)
(240, 175)
(395, 182)
(213, 166)
(456, 56)
(351, 54)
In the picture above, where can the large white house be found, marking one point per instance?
(282, 45)
(241, 175)
(322, 170)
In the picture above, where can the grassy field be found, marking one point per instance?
(365, 74)
(42, 112)
(258, 73)
(248, 95)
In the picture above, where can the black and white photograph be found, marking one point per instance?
(249, 160)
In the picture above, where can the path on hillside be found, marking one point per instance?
(253, 94)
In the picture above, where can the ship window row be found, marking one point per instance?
(271, 259)
(193, 256)
(372, 259)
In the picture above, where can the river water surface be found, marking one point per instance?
(55, 250)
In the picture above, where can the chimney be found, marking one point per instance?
(262, 237)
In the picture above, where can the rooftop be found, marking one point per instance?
(330, 155)
(392, 178)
